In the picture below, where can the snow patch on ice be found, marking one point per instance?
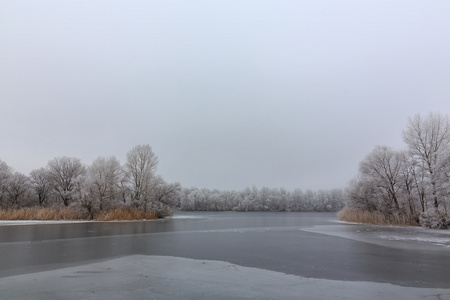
(37, 222)
(434, 240)
(185, 217)
(388, 236)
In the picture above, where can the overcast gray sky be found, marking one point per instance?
(228, 94)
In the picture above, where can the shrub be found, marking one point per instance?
(435, 220)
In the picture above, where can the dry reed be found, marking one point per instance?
(40, 214)
(125, 214)
(66, 214)
(361, 216)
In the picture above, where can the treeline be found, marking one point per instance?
(105, 185)
(264, 199)
(406, 187)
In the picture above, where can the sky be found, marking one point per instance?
(229, 94)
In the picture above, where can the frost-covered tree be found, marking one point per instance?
(443, 182)
(18, 190)
(65, 174)
(166, 192)
(41, 184)
(410, 190)
(382, 167)
(386, 184)
(5, 174)
(164, 197)
(104, 177)
(415, 184)
(140, 169)
(264, 199)
(428, 140)
(296, 201)
(361, 194)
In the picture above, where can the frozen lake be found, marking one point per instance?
(227, 254)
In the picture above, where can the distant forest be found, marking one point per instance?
(405, 187)
(106, 185)
(264, 199)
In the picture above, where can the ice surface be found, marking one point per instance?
(162, 277)
(390, 236)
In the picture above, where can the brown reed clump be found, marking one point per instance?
(67, 214)
(40, 214)
(362, 216)
(125, 214)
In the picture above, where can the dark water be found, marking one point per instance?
(272, 241)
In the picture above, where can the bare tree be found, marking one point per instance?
(64, 173)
